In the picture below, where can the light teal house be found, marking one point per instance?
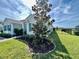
(9, 25)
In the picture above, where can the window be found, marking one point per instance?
(9, 27)
(30, 27)
(5, 28)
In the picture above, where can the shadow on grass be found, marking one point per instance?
(60, 51)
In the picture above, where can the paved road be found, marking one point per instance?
(4, 39)
(1, 38)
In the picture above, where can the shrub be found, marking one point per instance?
(1, 31)
(76, 33)
(6, 35)
(18, 31)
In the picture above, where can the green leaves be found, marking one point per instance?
(40, 28)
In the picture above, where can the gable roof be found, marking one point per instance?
(12, 21)
(30, 18)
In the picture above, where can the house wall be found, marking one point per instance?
(28, 24)
(18, 26)
(29, 28)
(24, 27)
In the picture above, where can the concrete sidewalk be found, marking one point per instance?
(6, 39)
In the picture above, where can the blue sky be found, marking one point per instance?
(65, 12)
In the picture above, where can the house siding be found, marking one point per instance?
(18, 26)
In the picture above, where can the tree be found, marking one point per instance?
(41, 9)
(40, 42)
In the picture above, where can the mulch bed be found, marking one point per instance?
(40, 46)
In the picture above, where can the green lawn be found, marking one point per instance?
(67, 47)
(14, 49)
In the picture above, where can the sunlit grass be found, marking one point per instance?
(14, 49)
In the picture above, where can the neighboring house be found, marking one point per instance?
(76, 31)
(68, 30)
(76, 28)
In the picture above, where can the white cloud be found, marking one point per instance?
(66, 10)
(29, 3)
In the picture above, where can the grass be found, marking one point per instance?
(71, 44)
(67, 47)
(14, 49)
